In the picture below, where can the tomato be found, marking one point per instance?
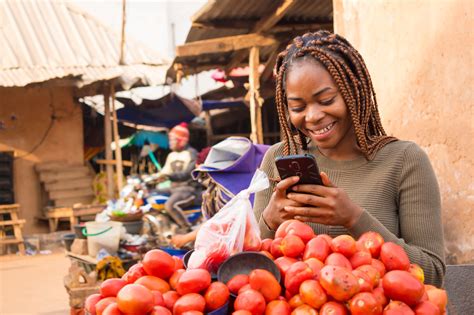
(278, 307)
(192, 312)
(365, 303)
(377, 264)
(318, 248)
(158, 263)
(360, 258)
(275, 249)
(245, 288)
(338, 259)
(135, 299)
(316, 265)
(178, 263)
(175, 277)
(158, 298)
(380, 296)
(103, 303)
(133, 273)
(252, 241)
(333, 308)
(300, 229)
(266, 244)
(295, 275)
(417, 272)
(394, 257)
(91, 301)
(281, 230)
(365, 284)
(111, 287)
(160, 310)
(427, 308)
(241, 312)
(438, 297)
(193, 281)
(400, 285)
(266, 283)
(250, 300)
(397, 308)
(237, 282)
(295, 301)
(216, 296)
(373, 273)
(264, 252)
(284, 263)
(153, 283)
(304, 310)
(339, 282)
(170, 298)
(344, 244)
(189, 302)
(372, 241)
(112, 309)
(312, 293)
(292, 246)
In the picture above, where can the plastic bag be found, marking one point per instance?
(232, 230)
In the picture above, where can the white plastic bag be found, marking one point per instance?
(232, 230)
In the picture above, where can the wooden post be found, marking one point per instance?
(108, 140)
(118, 149)
(255, 111)
(122, 41)
(209, 133)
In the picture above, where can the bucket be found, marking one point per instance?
(104, 235)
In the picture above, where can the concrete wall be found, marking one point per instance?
(420, 55)
(26, 115)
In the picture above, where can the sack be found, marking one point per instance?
(231, 230)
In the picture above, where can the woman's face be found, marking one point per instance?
(317, 109)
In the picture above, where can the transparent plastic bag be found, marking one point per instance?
(232, 230)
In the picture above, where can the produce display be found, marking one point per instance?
(319, 275)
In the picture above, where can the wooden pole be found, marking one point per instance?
(122, 42)
(255, 111)
(107, 141)
(118, 149)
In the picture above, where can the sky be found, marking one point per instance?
(159, 24)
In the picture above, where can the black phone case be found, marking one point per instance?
(302, 165)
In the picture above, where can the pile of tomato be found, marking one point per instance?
(320, 275)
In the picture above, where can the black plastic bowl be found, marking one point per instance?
(68, 239)
(244, 263)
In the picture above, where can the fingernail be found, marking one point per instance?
(295, 188)
(289, 195)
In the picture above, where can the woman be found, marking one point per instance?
(372, 182)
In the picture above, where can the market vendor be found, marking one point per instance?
(177, 169)
(372, 182)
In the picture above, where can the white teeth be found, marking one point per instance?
(326, 129)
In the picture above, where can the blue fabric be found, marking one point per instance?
(159, 138)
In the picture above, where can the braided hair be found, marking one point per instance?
(347, 68)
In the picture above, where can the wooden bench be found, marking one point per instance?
(71, 214)
(13, 223)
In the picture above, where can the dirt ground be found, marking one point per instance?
(34, 284)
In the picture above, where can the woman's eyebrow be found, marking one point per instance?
(321, 91)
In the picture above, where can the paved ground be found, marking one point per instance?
(33, 285)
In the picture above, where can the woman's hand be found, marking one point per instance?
(275, 213)
(326, 204)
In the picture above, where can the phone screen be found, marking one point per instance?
(302, 165)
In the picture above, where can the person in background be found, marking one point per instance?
(177, 169)
(372, 182)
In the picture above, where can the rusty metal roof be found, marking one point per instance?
(43, 40)
(222, 18)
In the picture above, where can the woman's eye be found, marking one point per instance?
(328, 102)
(296, 109)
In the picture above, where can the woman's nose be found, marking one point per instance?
(314, 113)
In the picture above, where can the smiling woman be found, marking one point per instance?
(372, 182)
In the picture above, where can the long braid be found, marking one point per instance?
(347, 67)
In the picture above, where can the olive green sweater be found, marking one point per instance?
(398, 192)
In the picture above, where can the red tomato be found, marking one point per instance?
(135, 299)
(364, 281)
(178, 263)
(316, 265)
(158, 263)
(266, 244)
(360, 258)
(216, 296)
(312, 293)
(112, 309)
(380, 296)
(339, 282)
(102, 304)
(241, 312)
(170, 298)
(397, 308)
(373, 273)
(377, 264)
(295, 275)
(160, 310)
(278, 307)
(189, 302)
(292, 246)
(304, 310)
(158, 298)
(237, 282)
(372, 241)
(174, 278)
(153, 283)
(111, 287)
(193, 281)
(400, 285)
(295, 301)
(284, 263)
(91, 301)
(438, 297)
(300, 229)
(344, 244)
(365, 303)
(333, 308)
(265, 282)
(250, 300)
(427, 308)
(318, 248)
(275, 249)
(394, 257)
(338, 259)
(133, 273)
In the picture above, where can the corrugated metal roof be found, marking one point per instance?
(47, 39)
(222, 18)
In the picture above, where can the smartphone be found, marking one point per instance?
(302, 165)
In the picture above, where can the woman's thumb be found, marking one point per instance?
(326, 181)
